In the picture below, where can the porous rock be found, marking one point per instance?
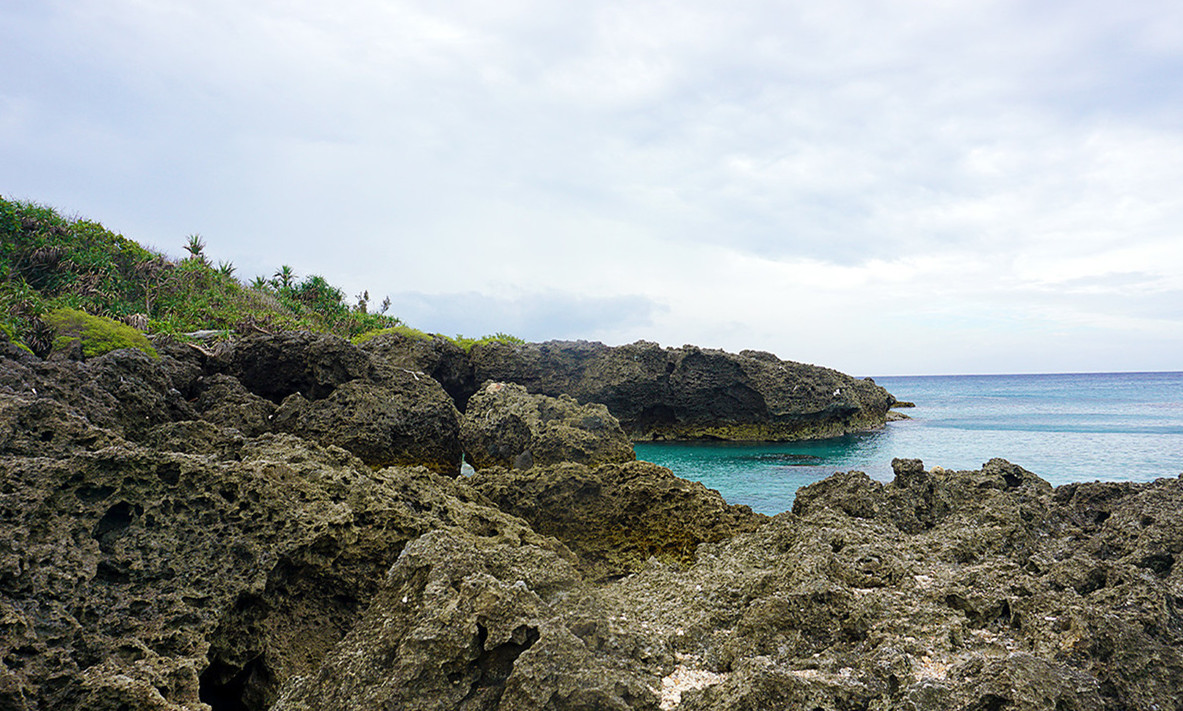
(436, 357)
(691, 392)
(135, 578)
(224, 401)
(276, 366)
(470, 624)
(506, 426)
(617, 517)
(405, 420)
(969, 590)
(126, 391)
(333, 392)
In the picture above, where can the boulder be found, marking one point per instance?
(617, 517)
(506, 426)
(434, 356)
(691, 392)
(407, 420)
(463, 622)
(276, 366)
(126, 391)
(225, 402)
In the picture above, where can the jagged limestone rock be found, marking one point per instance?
(507, 427)
(691, 392)
(617, 516)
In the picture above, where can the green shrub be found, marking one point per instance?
(405, 331)
(97, 334)
(467, 343)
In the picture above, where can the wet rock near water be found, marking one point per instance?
(691, 392)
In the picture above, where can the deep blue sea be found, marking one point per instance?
(1063, 427)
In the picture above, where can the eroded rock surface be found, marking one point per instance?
(163, 547)
(617, 517)
(437, 358)
(135, 578)
(465, 623)
(962, 590)
(505, 426)
(691, 392)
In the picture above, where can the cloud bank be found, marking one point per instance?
(910, 188)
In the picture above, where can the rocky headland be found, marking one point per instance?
(690, 392)
(279, 523)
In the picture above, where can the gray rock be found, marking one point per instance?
(617, 517)
(463, 622)
(406, 420)
(691, 392)
(134, 578)
(437, 358)
(506, 426)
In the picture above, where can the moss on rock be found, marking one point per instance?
(96, 335)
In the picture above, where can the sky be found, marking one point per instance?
(885, 188)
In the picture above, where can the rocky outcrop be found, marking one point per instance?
(691, 392)
(405, 420)
(505, 426)
(469, 623)
(965, 590)
(163, 547)
(335, 393)
(135, 578)
(435, 356)
(617, 517)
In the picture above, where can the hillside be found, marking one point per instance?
(49, 261)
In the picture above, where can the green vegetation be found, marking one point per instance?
(50, 262)
(462, 341)
(97, 335)
(405, 331)
(467, 343)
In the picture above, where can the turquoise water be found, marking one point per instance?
(1063, 427)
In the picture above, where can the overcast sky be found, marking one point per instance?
(886, 188)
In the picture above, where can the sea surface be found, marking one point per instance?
(1063, 427)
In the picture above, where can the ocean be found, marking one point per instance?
(1063, 427)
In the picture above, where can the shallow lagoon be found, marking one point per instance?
(1063, 427)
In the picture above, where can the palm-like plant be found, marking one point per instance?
(195, 246)
(285, 276)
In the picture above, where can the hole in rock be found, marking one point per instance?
(169, 473)
(92, 494)
(1160, 563)
(496, 664)
(990, 702)
(227, 688)
(114, 524)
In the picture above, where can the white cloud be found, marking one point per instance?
(887, 188)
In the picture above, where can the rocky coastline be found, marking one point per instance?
(280, 523)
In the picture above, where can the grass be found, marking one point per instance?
(463, 342)
(49, 262)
